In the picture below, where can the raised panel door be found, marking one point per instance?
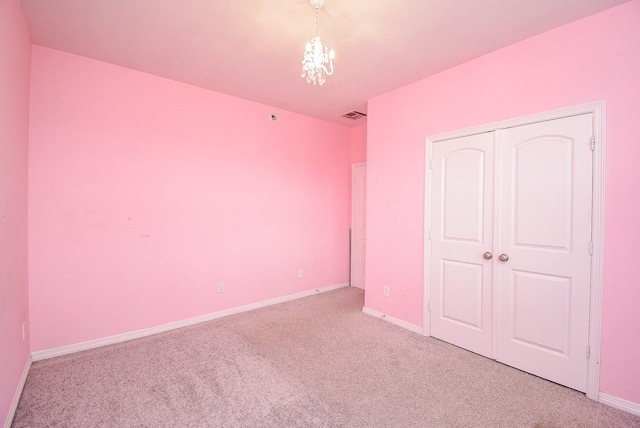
(545, 229)
(462, 231)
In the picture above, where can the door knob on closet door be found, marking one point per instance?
(503, 257)
(488, 255)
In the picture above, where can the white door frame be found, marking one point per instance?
(597, 223)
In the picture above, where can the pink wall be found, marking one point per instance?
(145, 193)
(15, 62)
(592, 59)
(359, 143)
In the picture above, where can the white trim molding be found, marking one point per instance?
(17, 394)
(395, 321)
(91, 344)
(597, 109)
(620, 404)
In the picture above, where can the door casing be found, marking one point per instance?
(597, 225)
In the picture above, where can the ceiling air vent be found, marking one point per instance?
(354, 115)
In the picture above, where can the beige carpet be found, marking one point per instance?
(313, 362)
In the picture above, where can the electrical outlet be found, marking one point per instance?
(220, 287)
(300, 273)
(385, 290)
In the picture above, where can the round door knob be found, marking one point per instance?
(503, 258)
(488, 255)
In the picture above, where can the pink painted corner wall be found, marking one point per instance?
(597, 58)
(145, 193)
(15, 63)
(359, 143)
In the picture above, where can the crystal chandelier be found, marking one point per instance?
(318, 59)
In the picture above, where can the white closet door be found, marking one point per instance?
(544, 228)
(528, 292)
(462, 231)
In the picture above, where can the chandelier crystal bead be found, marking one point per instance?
(318, 59)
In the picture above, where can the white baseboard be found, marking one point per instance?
(18, 393)
(619, 403)
(91, 344)
(395, 321)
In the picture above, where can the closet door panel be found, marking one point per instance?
(544, 229)
(462, 231)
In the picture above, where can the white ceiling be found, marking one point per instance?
(253, 49)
